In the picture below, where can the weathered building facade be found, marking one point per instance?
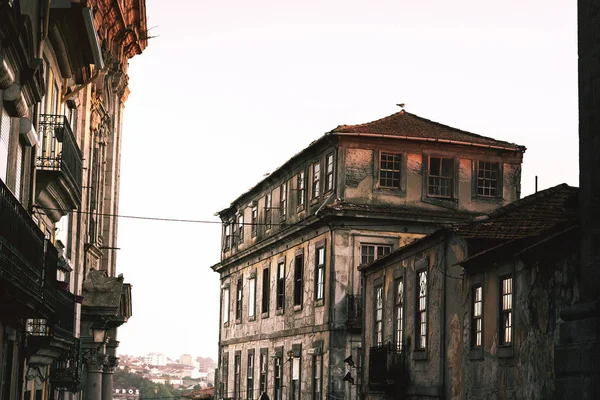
(472, 311)
(291, 304)
(63, 84)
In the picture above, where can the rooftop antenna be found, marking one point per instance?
(536, 183)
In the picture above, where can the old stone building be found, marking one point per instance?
(63, 85)
(471, 311)
(291, 304)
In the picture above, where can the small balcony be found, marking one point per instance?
(66, 372)
(59, 167)
(64, 318)
(23, 262)
(354, 322)
(386, 369)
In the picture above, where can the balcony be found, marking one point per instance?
(59, 167)
(64, 318)
(354, 322)
(23, 264)
(386, 370)
(66, 372)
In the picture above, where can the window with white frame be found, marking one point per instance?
(421, 325)
(320, 273)
(329, 172)
(477, 316)
(283, 201)
(378, 334)
(225, 305)
(316, 182)
(301, 191)
(399, 315)
(252, 297)
(506, 301)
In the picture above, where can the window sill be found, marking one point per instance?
(390, 191)
(420, 354)
(505, 351)
(265, 315)
(238, 321)
(319, 303)
(279, 311)
(226, 324)
(298, 307)
(251, 318)
(299, 209)
(487, 199)
(314, 201)
(440, 201)
(476, 353)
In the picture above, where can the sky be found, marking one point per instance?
(228, 90)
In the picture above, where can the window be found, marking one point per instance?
(421, 325)
(329, 173)
(320, 274)
(378, 336)
(317, 378)
(281, 285)
(252, 298)
(487, 178)
(240, 222)
(398, 326)
(506, 312)
(389, 170)
(250, 376)
(238, 299)
(254, 221)
(371, 252)
(268, 210)
(266, 290)
(316, 188)
(19, 171)
(277, 377)
(225, 375)
(227, 229)
(234, 234)
(225, 305)
(298, 277)
(262, 380)
(440, 176)
(237, 365)
(295, 378)
(283, 200)
(477, 314)
(301, 192)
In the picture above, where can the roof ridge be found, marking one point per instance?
(370, 122)
(528, 199)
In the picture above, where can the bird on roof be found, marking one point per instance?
(401, 105)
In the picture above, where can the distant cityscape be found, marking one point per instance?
(185, 373)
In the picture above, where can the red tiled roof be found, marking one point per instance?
(411, 126)
(531, 216)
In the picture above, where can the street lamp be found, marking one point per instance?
(99, 338)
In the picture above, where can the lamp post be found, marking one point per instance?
(94, 359)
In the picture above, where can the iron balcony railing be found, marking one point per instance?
(354, 322)
(22, 245)
(28, 261)
(386, 367)
(66, 372)
(59, 150)
(64, 320)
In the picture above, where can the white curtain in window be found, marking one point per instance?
(4, 138)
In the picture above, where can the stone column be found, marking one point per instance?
(94, 364)
(107, 377)
(577, 375)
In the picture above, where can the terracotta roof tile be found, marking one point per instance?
(531, 216)
(411, 126)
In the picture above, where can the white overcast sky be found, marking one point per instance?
(230, 89)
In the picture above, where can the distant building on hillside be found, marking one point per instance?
(157, 359)
(186, 359)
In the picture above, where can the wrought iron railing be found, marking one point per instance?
(66, 372)
(21, 246)
(64, 320)
(59, 150)
(386, 367)
(354, 322)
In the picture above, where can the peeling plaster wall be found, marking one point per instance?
(541, 290)
(361, 167)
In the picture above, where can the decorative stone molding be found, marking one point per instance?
(94, 362)
(111, 364)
